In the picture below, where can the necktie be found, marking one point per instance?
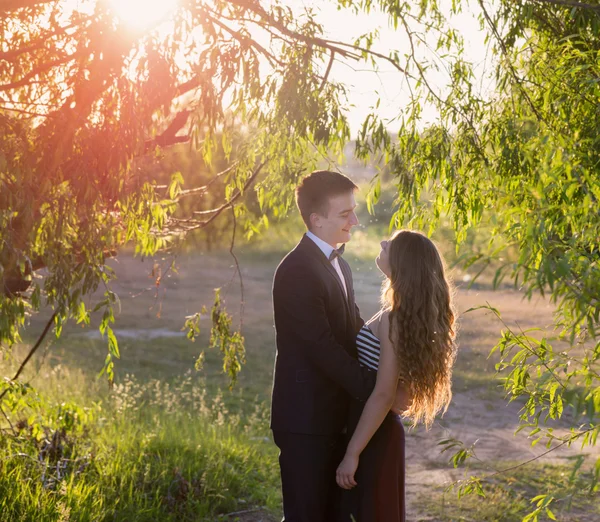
(337, 252)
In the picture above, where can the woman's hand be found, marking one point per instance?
(344, 475)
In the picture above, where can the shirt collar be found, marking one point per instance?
(325, 247)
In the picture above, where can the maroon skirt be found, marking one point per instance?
(379, 496)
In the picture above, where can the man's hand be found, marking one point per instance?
(344, 475)
(403, 398)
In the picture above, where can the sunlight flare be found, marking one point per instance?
(143, 14)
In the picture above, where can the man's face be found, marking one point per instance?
(334, 228)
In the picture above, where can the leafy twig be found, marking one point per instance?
(33, 350)
(8, 420)
(237, 266)
(521, 464)
(570, 3)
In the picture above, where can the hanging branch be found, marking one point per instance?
(570, 3)
(168, 136)
(7, 6)
(505, 52)
(33, 350)
(194, 225)
(237, 267)
(8, 420)
(327, 71)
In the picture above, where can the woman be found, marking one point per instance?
(410, 342)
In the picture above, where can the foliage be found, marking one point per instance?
(170, 451)
(520, 494)
(84, 99)
(230, 344)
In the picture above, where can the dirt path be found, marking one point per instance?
(479, 414)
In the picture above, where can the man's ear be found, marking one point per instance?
(315, 220)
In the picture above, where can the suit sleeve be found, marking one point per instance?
(300, 303)
(359, 322)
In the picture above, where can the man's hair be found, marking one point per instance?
(315, 190)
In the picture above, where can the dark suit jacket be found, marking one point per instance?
(316, 371)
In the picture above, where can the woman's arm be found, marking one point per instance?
(376, 408)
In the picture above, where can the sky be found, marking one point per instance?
(363, 85)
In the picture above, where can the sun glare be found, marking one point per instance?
(143, 14)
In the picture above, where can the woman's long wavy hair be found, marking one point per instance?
(422, 323)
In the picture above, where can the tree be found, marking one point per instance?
(83, 98)
(524, 161)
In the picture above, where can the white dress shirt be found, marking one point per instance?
(326, 248)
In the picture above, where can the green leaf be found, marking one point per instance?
(175, 185)
(113, 345)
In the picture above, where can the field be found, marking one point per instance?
(168, 442)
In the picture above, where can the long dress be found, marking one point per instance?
(379, 496)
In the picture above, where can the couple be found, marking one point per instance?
(340, 384)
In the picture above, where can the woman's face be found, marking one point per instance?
(383, 259)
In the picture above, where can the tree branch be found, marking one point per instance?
(237, 267)
(32, 351)
(510, 65)
(169, 137)
(270, 21)
(521, 464)
(8, 420)
(6, 6)
(41, 41)
(332, 45)
(569, 3)
(327, 71)
(26, 113)
(13, 53)
(242, 38)
(367, 51)
(527, 345)
(239, 192)
(32, 74)
(204, 188)
(437, 97)
(227, 204)
(188, 86)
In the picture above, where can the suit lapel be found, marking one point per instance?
(349, 286)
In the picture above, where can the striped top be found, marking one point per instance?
(368, 348)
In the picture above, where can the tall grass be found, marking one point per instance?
(144, 451)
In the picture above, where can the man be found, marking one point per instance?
(316, 371)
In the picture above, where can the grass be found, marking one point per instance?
(507, 496)
(143, 451)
